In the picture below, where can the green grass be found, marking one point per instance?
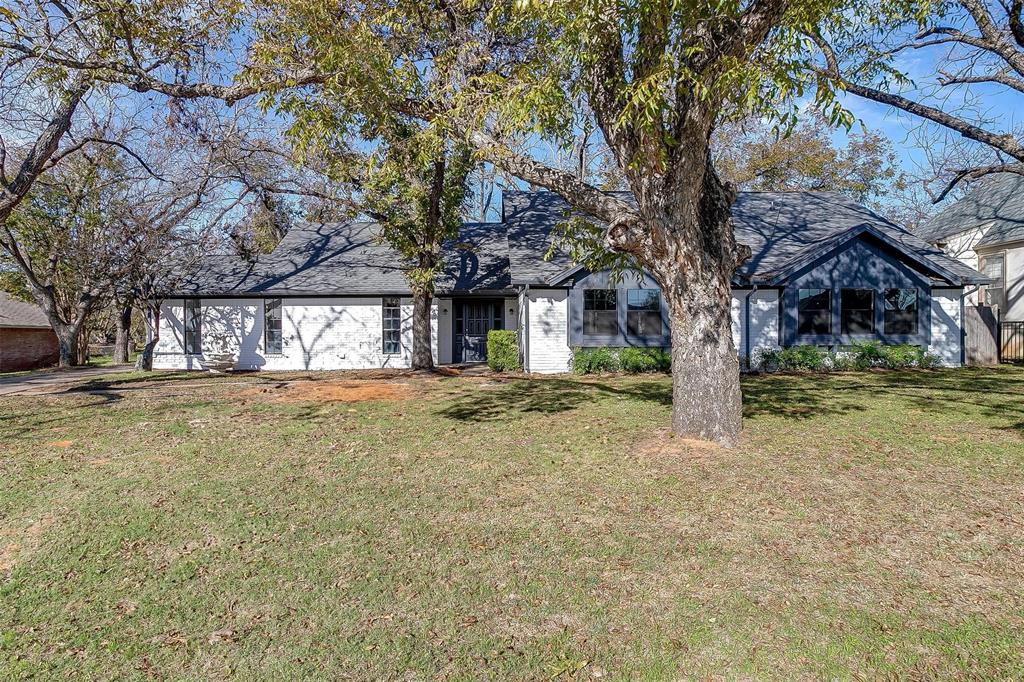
(204, 527)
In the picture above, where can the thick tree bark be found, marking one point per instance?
(422, 358)
(122, 340)
(67, 343)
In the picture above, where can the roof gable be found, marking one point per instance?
(782, 229)
(994, 204)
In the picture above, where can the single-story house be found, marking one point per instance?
(825, 271)
(26, 339)
(985, 230)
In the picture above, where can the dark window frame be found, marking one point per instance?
(639, 318)
(391, 325)
(598, 306)
(814, 314)
(192, 324)
(846, 323)
(271, 323)
(893, 319)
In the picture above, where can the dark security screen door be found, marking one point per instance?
(473, 319)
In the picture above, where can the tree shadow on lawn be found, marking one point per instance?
(518, 397)
(994, 392)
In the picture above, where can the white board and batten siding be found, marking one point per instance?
(546, 347)
(763, 330)
(947, 326)
(318, 334)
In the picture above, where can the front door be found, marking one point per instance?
(473, 319)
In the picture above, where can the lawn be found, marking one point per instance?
(198, 527)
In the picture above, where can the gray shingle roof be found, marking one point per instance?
(317, 259)
(779, 227)
(322, 259)
(995, 203)
(19, 314)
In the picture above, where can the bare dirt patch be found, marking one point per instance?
(61, 443)
(24, 542)
(350, 391)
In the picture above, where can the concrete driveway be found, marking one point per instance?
(53, 381)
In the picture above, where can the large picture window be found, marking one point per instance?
(392, 317)
(901, 311)
(272, 330)
(814, 311)
(600, 312)
(857, 308)
(193, 324)
(993, 265)
(643, 312)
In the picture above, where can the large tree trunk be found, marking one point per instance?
(685, 239)
(145, 359)
(67, 343)
(706, 398)
(422, 357)
(122, 340)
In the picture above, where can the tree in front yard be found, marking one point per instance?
(416, 188)
(658, 76)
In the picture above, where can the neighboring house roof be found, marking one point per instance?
(19, 314)
(782, 229)
(995, 204)
(315, 259)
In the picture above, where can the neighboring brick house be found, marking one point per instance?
(26, 339)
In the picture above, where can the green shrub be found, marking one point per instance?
(630, 360)
(592, 360)
(805, 358)
(867, 354)
(766, 359)
(861, 355)
(643, 360)
(503, 350)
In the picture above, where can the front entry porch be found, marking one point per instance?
(472, 319)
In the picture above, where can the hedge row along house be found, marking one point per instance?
(825, 271)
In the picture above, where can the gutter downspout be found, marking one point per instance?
(524, 347)
(746, 325)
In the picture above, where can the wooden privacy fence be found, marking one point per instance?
(981, 329)
(1011, 341)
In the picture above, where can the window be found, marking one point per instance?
(392, 326)
(993, 266)
(193, 326)
(600, 312)
(272, 337)
(857, 308)
(814, 311)
(643, 312)
(901, 311)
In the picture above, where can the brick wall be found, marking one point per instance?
(22, 349)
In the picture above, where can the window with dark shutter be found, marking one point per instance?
(643, 312)
(901, 311)
(600, 312)
(814, 311)
(193, 327)
(857, 308)
(272, 328)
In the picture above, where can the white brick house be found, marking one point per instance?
(824, 271)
